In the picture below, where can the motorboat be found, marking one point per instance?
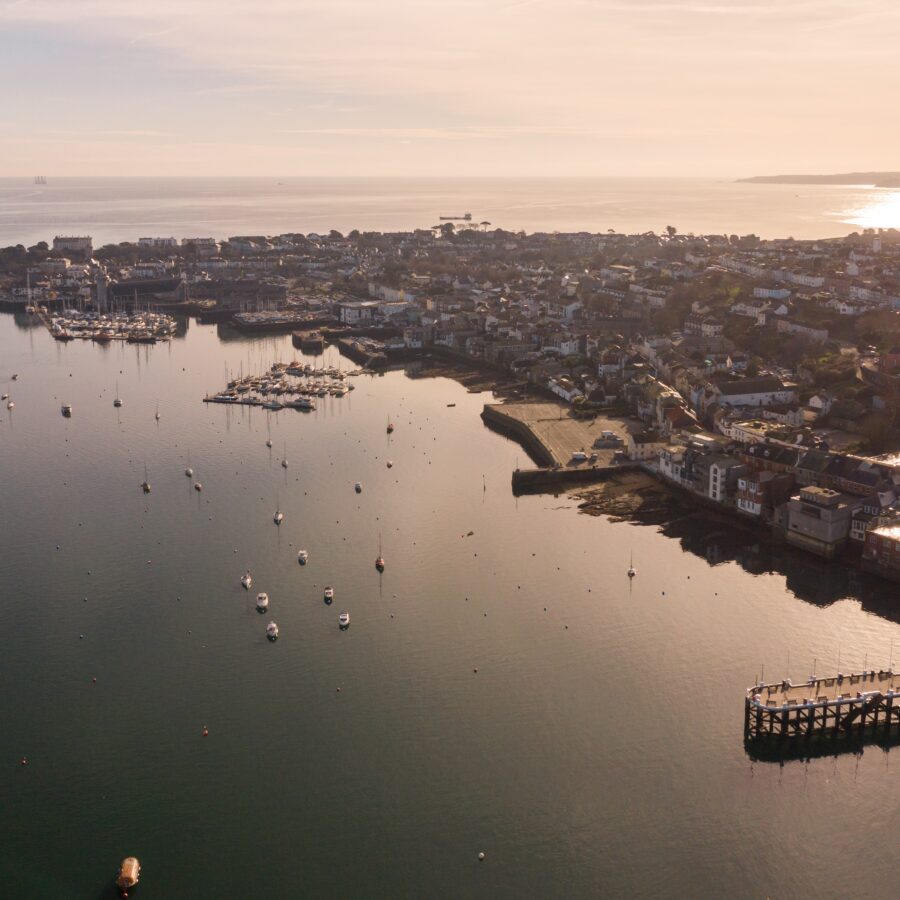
(390, 465)
(278, 518)
(329, 594)
(198, 487)
(262, 602)
(272, 631)
(247, 580)
(631, 570)
(344, 620)
(358, 487)
(302, 557)
(67, 410)
(11, 405)
(379, 563)
(129, 874)
(269, 444)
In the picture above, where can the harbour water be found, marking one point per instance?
(120, 209)
(596, 751)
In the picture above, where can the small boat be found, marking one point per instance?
(118, 400)
(631, 569)
(329, 594)
(272, 631)
(5, 397)
(247, 580)
(278, 518)
(198, 487)
(358, 487)
(262, 602)
(67, 410)
(344, 620)
(390, 465)
(145, 484)
(302, 557)
(379, 562)
(451, 404)
(129, 874)
(11, 405)
(157, 412)
(284, 462)
(390, 427)
(269, 444)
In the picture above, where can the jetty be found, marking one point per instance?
(865, 703)
(566, 449)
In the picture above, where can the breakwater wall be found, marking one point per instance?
(510, 427)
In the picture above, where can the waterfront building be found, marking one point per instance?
(881, 554)
(818, 520)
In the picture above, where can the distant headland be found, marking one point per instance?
(878, 179)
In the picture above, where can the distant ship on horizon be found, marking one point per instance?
(40, 179)
(467, 217)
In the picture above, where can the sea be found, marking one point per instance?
(503, 688)
(125, 209)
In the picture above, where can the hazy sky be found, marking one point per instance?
(455, 87)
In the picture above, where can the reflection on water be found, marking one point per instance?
(817, 581)
(881, 211)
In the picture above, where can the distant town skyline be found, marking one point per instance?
(476, 87)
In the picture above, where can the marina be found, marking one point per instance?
(293, 385)
(134, 327)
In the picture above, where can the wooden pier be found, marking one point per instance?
(867, 703)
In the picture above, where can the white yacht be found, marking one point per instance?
(302, 557)
(272, 631)
(262, 602)
(329, 594)
(344, 620)
(246, 580)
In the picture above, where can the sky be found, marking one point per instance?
(448, 87)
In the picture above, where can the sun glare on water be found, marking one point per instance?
(882, 212)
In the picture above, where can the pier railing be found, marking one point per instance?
(839, 705)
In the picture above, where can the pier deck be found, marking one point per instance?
(841, 704)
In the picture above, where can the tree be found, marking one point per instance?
(671, 230)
